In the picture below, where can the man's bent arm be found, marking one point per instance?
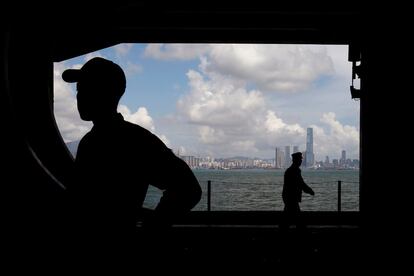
(183, 191)
(307, 189)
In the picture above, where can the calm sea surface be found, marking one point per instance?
(261, 190)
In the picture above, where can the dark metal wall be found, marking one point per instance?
(36, 162)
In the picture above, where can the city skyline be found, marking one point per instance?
(282, 159)
(239, 162)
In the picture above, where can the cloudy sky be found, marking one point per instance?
(225, 100)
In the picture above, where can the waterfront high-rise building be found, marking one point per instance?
(342, 160)
(279, 158)
(309, 148)
(303, 165)
(192, 162)
(288, 159)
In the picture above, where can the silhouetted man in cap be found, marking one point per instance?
(117, 161)
(292, 192)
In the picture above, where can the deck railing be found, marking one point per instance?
(339, 189)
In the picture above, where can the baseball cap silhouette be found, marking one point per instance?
(100, 71)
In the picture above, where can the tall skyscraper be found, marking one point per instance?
(342, 161)
(278, 158)
(288, 159)
(309, 147)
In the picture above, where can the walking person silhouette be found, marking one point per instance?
(116, 162)
(292, 193)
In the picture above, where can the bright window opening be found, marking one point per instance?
(235, 113)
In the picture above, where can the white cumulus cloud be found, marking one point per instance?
(332, 137)
(140, 117)
(218, 101)
(231, 119)
(276, 68)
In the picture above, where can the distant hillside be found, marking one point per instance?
(73, 147)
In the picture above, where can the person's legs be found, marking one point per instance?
(289, 216)
(284, 222)
(299, 220)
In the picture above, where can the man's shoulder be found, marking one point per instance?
(135, 129)
(139, 134)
